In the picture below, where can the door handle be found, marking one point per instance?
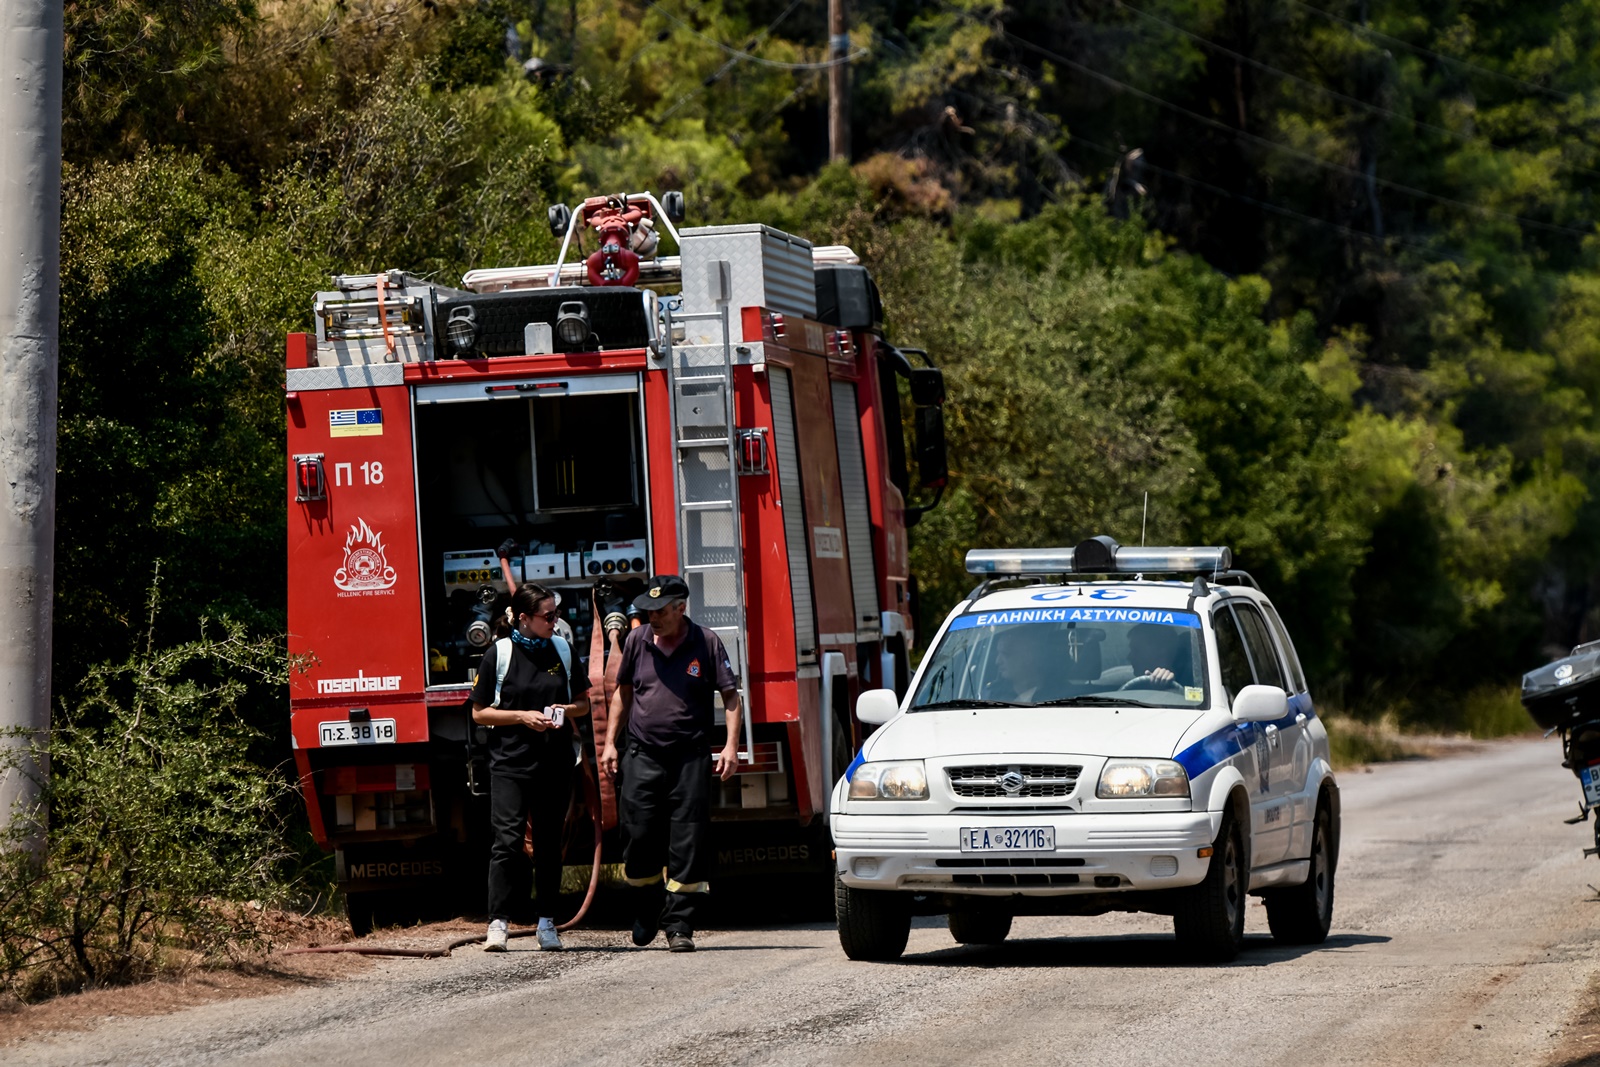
(1300, 718)
(1272, 735)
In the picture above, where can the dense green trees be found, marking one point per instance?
(1338, 310)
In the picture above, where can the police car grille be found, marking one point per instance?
(1043, 780)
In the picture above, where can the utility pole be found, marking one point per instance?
(838, 83)
(30, 292)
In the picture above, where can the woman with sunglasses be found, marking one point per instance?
(528, 701)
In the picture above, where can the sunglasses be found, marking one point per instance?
(547, 616)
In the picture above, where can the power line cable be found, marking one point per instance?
(1370, 32)
(1277, 146)
(1276, 209)
(746, 56)
(1375, 109)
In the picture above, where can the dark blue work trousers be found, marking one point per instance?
(666, 808)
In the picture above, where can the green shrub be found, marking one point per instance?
(162, 837)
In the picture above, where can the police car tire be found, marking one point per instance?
(1209, 918)
(874, 924)
(979, 927)
(1303, 914)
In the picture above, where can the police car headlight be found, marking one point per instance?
(889, 781)
(1142, 778)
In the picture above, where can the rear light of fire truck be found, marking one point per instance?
(311, 481)
(841, 345)
(753, 451)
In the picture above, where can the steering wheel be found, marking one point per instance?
(1144, 681)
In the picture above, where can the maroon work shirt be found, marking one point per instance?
(673, 695)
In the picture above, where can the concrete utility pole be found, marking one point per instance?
(30, 291)
(838, 83)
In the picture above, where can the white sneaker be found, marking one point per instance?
(549, 940)
(496, 941)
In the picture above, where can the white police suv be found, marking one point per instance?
(1120, 741)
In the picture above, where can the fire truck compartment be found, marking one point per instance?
(556, 465)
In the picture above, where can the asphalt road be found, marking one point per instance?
(1464, 933)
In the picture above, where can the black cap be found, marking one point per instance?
(661, 591)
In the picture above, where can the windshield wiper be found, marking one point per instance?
(941, 704)
(1096, 702)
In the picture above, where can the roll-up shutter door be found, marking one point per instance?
(857, 519)
(794, 514)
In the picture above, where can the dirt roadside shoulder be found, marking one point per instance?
(277, 971)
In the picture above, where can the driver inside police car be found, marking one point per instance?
(1153, 653)
(1022, 658)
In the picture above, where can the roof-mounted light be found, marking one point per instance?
(1099, 555)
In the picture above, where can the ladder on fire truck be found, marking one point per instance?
(706, 476)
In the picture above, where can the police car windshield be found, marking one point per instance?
(1066, 657)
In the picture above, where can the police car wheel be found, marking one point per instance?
(979, 927)
(1303, 914)
(1209, 917)
(874, 924)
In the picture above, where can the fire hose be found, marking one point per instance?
(591, 798)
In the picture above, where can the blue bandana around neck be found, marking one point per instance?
(518, 637)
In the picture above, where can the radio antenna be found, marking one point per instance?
(1144, 522)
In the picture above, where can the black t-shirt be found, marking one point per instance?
(672, 695)
(534, 681)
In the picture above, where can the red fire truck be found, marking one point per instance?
(732, 414)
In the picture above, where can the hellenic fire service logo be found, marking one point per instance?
(365, 569)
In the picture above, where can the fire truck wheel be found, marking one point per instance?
(362, 908)
(1302, 915)
(979, 927)
(874, 924)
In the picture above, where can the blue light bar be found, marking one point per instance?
(1099, 555)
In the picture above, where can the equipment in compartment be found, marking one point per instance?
(473, 583)
(473, 569)
(545, 565)
(475, 586)
(615, 557)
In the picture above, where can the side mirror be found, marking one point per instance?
(927, 386)
(1260, 703)
(672, 204)
(932, 464)
(877, 706)
(560, 217)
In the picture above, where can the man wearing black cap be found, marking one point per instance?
(662, 714)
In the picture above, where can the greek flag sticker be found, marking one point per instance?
(356, 422)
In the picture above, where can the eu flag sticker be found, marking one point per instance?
(356, 422)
